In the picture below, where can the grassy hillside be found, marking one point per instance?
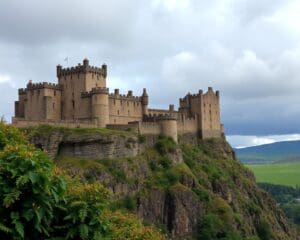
(279, 173)
(288, 151)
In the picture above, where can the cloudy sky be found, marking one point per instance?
(248, 49)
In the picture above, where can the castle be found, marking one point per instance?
(82, 99)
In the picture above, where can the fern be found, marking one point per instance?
(83, 231)
(4, 229)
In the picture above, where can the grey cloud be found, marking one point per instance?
(40, 22)
(177, 48)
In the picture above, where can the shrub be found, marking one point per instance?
(165, 145)
(141, 138)
(10, 135)
(29, 193)
(264, 230)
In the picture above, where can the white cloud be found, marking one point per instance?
(4, 78)
(239, 141)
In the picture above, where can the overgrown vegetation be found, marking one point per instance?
(231, 206)
(287, 197)
(39, 202)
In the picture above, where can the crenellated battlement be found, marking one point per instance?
(125, 97)
(100, 90)
(22, 91)
(97, 90)
(158, 117)
(81, 68)
(41, 85)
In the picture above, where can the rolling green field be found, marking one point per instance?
(281, 173)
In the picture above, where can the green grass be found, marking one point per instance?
(281, 173)
(45, 130)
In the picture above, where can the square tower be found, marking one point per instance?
(74, 81)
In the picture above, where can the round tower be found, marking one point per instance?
(169, 127)
(100, 106)
(145, 99)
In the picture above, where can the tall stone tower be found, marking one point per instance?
(74, 81)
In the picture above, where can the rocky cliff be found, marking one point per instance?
(190, 191)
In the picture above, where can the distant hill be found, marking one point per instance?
(288, 151)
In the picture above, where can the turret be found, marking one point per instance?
(85, 62)
(100, 106)
(145, 100)
(168, 126)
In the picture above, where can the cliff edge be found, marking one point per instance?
(190, 190)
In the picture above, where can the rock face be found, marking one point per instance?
(91, 145)
(179, 210)
(195, 191)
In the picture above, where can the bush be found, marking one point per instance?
(213, 228)
(29, 193)
(165, 145)
(264, 230)
(141, 138)
(10, 135)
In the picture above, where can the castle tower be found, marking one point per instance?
(74, 81)
(145, 101)
(100, 106)
(169, 127)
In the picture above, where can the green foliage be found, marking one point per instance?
(39, 202)
(264, 230)
(45, 130)
(10, 135)
(281, 193)
(118, 173)
(80, 215)
(128, 227)
(141, 138)
(292, 210)
(213, 228)
(29, 192)
(127, 203)
(165, 145)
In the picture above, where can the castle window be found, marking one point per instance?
(53, 105)
(73, 104)
(114, 101)
(128, 112)
(118, 112)
(127, 103)
(54, 93)
(114, 120)
(121, 102)
(92, 76)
